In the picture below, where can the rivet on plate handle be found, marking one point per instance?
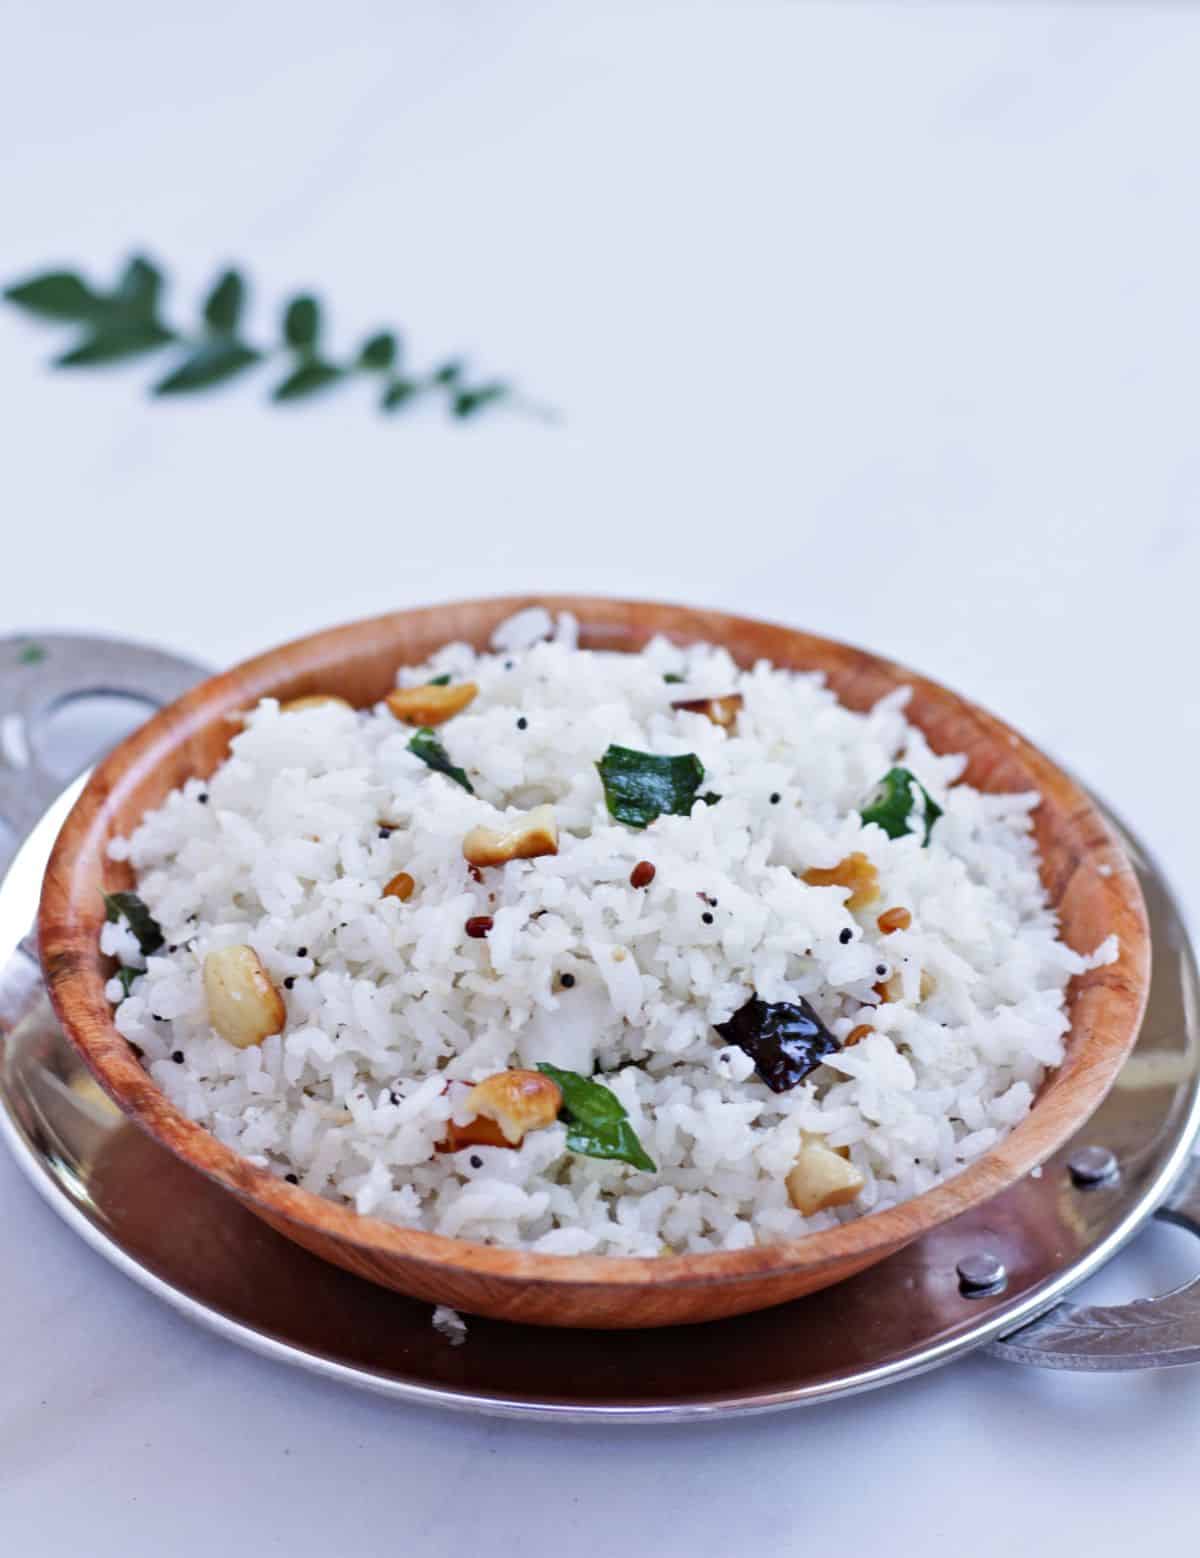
(1092, 1167)
(981, 1275)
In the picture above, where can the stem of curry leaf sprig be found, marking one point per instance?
(126, 323)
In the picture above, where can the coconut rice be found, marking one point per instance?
(393, 1008)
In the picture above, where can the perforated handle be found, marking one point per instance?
(39, 674)
(1149, 1333)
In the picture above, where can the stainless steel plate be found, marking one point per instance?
(193, 1245)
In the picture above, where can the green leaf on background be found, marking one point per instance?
(126, 323)
(467, 402)
(223, 305)
(139, 288)
(31, 654)
(398, 392)
(302, 323)
(379, 351)
(212, 363)
(57, 295)
(115, 340)
(310, 378)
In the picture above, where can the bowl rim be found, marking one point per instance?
(75, 972)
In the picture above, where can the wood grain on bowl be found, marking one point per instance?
(1089, 880)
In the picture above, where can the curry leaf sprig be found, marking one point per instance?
(128, 322)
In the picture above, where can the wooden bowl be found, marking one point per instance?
(1088, 878)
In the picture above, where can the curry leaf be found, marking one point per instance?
(125, 322)
(433, 754)
(398, 392)
(379, 351)
(223, 305)
(115, 340)
(210, 364)
(618, 1140)
(139, 288)
(302, 323)
(891, 805)
(596, 1119)
(310, 378)
(129, 907)
(126, 976)
(57, 295)
(467, 402)
(640, 786)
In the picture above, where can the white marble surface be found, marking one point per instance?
(877, 318)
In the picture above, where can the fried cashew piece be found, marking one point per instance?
(855, 872)
(431, 704)
(506, 1106)
(534, 834)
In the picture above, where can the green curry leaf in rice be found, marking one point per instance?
(130, 908)
(640, 786)
(891, 805)
(433, 754)
(126, 976)
(596, 1120)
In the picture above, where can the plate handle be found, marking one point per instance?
(1149, 1333)
(41, 672)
